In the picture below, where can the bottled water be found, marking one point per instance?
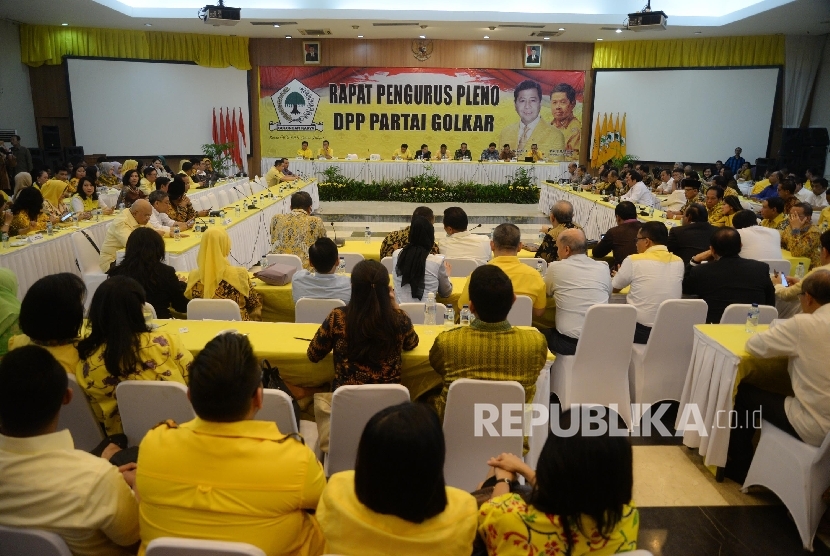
(236, 211)
(540, 268)
(368, 235)
(466, 317)
(429, 309)
(799, 271)
(198, 229)
(97, 215)
(49, 228)
(5, 239)
(177, 234)
(263, 262)
(449, 317)
(76, 220)
(752, 319)
(341, 266)
(121, 206)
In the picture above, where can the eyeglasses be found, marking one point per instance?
(641, 238)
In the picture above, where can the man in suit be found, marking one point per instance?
(694, 235)
(727, 278)
(531, 128)
(463, 152)
(533, 56)
(622, 238)
(424, 153)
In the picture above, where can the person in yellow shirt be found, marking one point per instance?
(274, 175)
(326, 152)
(47, 483)
(760, 185)
(304, 151)
(824, 217)
(379, 505)
(731, 206)
(535, 153)
(562, 104)
(773, 215)
(223, 475)
(714, 204)
(403, 153)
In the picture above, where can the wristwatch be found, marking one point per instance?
(504, 480)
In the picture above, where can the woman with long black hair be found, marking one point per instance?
(417, 272)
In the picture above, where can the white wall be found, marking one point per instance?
(16, 110)
(820, 112)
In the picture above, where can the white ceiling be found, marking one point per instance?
(583, 21)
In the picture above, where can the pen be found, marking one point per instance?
(304, 339)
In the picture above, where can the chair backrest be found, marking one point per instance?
(150, 309)
(737, 312)
(534, 262)
(315, 310)
(416, 312)
(669, 348)
(351, 409)
(199, 203)
(277, 407)
(257, 186)
(213, 309)
(781, 265)
(85, 254)
(246, 187)
(169, 546)
(16, 541)
(222, 196)
(521, 313)
(78, 417)
(351, 259)
(462, 267)
(387, 262)
(539, 431)
(283, 258)
(213, 202)
(143, 404)
(469, 447)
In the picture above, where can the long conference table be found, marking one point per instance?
(249, 238)
(597, 216)
(448, 170)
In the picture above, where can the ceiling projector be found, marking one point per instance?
(647, 20)
(220, 15)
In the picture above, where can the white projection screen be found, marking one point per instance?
(695, 116)
(142, 109)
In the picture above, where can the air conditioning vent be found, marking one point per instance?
(272, 23)
(517, 26)
(547, 34)
(315, 32)
(396, 24)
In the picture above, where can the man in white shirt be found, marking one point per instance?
(654, 275)
(814, 197)
(461, 243)
(638, 192)
(120, 229)
(324, 283)
(46, 483)
(666, 185)
(806, 414)
(757, 242)
(576, 282)
(159, 220)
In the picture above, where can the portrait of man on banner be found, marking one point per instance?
(562, 104)
(533, 55)
(531, 127)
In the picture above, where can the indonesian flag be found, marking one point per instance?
(242, 129)
(243, 153)
(230, 137)
(235, 136)
(215, 128)
(223, 138)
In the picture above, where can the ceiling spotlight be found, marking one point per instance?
(561, 28)
(275, 25)
(289, 36)
(486, 36)
(64, 24)
(599, 39)
(422, 36)
(618, 31)
(547, 38)
(360, 36)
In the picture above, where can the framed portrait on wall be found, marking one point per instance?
(311, 52)
(533, 55)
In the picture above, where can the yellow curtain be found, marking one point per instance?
(48, 45)
(764, 50)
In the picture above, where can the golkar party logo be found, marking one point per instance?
(296, 106)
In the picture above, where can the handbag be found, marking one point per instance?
(276, 274)
(271, 379)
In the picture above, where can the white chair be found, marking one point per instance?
(598, 372)
(246, 188)
(533, 263)
(257, 186)
(197, 203)
(736, 314)
(658, 369)
(16, 541)
(462, 267)
(781, 265)
(315, 311)
(416, 312)
(224, 201)
(469, 447)
(521, 313)
(387, 262)
(143, 404)
(87, 259)
(169, 546)
(277, 407)
(213, 309)
(283, 258)
(213, 202)
(78, 417)
(351, 409)
(150, 309)
(796, 472)
(351, 259)
(539, 432)
(639, 553)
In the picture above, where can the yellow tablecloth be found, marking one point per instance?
(719, 363)
(278, 343)
(371, 250)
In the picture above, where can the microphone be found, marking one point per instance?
(239, 191)
(474, 227)
(339, 243)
